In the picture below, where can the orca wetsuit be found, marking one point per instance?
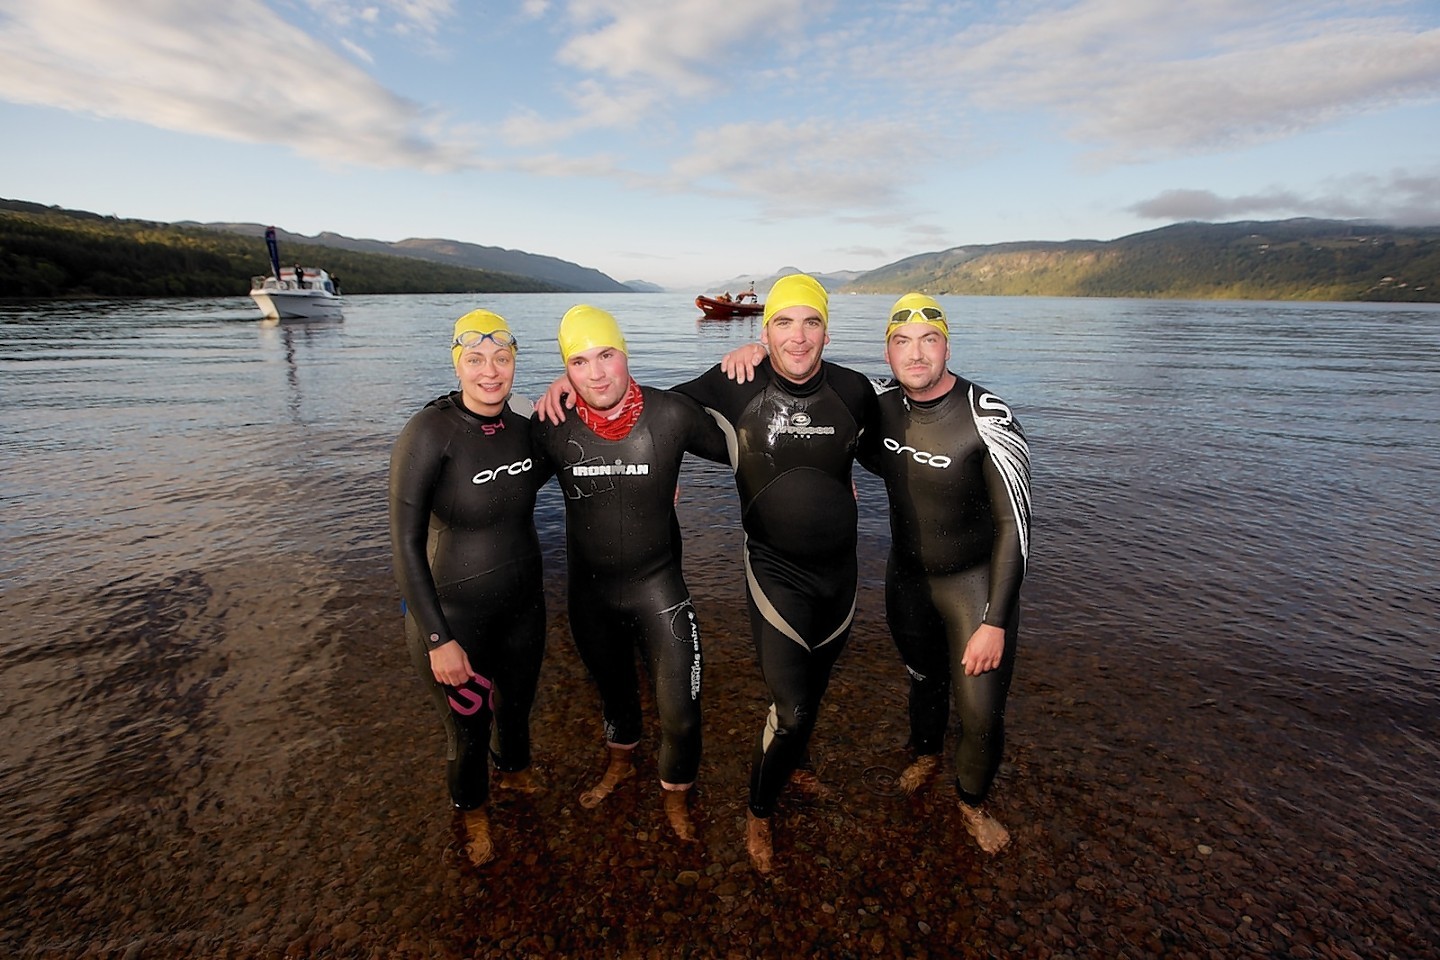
(792, 447)
(623, 541)
(957, 470)
(462, 504)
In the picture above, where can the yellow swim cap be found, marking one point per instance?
(584, 327)
(481, 321)
(797, 290)
(917, 308)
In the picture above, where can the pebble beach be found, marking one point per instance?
(293, 806)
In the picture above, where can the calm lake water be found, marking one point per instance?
(1245, 476)
(1243, 486)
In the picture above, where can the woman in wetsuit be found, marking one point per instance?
(463, 478)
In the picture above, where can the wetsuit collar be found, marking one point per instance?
(797, 389)
(921, 407)
(456, 399)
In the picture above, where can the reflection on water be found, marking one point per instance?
(1252, 465)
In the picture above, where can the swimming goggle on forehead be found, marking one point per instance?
(922, 315)
(473, 338)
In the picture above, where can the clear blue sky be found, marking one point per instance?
(685, 142)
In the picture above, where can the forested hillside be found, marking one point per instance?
(1280, 260)
(562, 273)
(49, 252)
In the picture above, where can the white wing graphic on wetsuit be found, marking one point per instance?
(1011, 456)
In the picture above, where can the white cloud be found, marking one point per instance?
(637, 59)
(1140, 79)
(1400, 197)
(402, 17)
(808, 169)
(1132, 80)
(192, 66)
(679, 45)
(357, 51)
(597, 108)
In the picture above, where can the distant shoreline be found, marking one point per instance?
(55, 253)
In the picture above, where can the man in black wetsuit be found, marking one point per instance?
(956, 467)
(618, 463)
(463, 478)
(793, 432)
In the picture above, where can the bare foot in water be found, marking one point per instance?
(478, 846)
(619, 770)
(521, 781)
(807, 784)
(757, 843)
(986, 830)
(919, 775)
(677, 811)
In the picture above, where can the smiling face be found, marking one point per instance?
(917, 353)
(796, 339)
(601, 375)
(487, 372)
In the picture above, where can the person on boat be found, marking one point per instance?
(618, 464)
(956, 467)
(299, 277)
(463, 480)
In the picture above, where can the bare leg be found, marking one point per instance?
(478, 845)
(757, 843)
(986, 830)
(677, 811)
(620, 769)
(919, 774)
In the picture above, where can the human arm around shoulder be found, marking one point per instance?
(703, 437)
(557, 398)
(739, 364)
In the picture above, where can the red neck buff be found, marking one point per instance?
(618, 426)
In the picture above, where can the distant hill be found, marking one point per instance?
(52, 252)
(1251, 260)
(643, 286)
(558, 274)
(763, 282)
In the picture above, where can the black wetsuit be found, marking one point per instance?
(462, 503)
(957, 470)
(623, 541)
(792, 447)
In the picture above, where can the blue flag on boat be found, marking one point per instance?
(274, 249)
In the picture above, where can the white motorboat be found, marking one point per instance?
(298, 293)
(295, 293)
